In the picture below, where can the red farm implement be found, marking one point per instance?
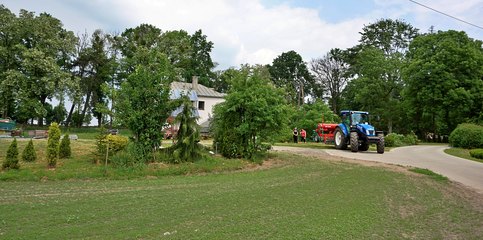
(326, 132)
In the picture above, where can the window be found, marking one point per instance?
(201, 105)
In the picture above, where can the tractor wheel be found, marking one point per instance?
(364, 146)
(339, 139)
(380, 144)
(354, 142)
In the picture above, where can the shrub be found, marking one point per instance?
(467, 135)
(116, 143)
(29, 154)
(477, 153)
(64, 147)
(128, 157)
(11, 160)
(398, 140)
(53, 145)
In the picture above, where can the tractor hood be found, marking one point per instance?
(367, 129)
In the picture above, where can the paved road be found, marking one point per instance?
(467, 172)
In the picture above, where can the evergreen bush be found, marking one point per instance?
(64, 147)
(467, 135)
(29, 154)
(477, 153)
(187, 147)
(11, 160)
(53, 145)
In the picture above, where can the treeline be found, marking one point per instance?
(424, 82)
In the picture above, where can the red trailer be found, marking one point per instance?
(326, 132)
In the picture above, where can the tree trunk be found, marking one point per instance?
(69, 117)
(86, 105)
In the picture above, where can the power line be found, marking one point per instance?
(461, 20)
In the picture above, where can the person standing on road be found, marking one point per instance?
(295, 135)
(303, 135)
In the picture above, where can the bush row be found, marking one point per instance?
(467, 136)
(398, 140)
(477, 153)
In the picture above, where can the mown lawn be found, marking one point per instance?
(462, 153)
(287, 198)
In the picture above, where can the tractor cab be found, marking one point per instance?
(356, 131)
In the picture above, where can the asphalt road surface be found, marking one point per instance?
(432, 157)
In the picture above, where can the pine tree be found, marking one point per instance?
(11, 161)
(29, 154)
(187, 147)
(53, 145)
(64, 148)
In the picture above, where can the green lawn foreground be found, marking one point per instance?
(294, 198)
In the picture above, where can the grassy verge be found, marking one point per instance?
(294, 199)
(429, 173)
(462, 153)
(307, 145)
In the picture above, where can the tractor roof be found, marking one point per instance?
(351, 111)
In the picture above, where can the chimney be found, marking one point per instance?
(194, 83)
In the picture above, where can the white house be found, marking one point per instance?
(203, 98)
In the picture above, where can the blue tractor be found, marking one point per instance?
(355, 131)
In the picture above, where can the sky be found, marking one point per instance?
(257, 31)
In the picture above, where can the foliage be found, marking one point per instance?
(53, 145)
(11, 160)
(467, 136)
(331, 72)
(429, 173)
(187, 148)
(144, 105)
(29, 154)
(289, 71)
(64, 147)
(253, 112)
(477, 153)
(56, 114)
(376, 64)
(443, 81)
(111, 143)
(398, 140)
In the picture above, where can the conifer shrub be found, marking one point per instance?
(11, 160)
(64, 147)
(29, 154)
(53, 145)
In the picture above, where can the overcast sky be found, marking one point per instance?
(257, 31)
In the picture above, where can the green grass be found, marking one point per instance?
(462, 153)
(307, 145)
(429, 173)
(294, 199)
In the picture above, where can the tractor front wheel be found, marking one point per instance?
(339, 139)
(380, 144)
(354, 142)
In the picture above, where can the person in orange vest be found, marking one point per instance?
(303, 135)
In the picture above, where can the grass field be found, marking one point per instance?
(286, 198)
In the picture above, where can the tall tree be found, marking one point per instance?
(331, 72)
(444, 81)
(376, 64)
(143, 104)
(290, 72)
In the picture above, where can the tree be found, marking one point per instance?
(29, 154)
(309, 115)
(143, 105)
(53, 145)
(187, 147)
(444, 81)
(289, 71)
(201, 64)
(376, 64)
(254, 112)
(64, 147)
(11, 160)
(331, 72)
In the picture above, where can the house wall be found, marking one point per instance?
(210, 102)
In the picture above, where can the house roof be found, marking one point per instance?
(201, 90)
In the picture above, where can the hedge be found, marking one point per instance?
(398, 140)
(477, 153)
(467, 135)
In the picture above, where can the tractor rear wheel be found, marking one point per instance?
(380, 144)
(354, 142)
(364, 146)
(339, 139)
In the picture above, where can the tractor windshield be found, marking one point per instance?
(359, 118)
